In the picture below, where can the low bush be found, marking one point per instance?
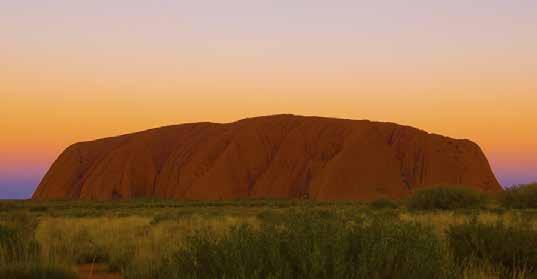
(383, 203)
(446, 198)
(512, 247)
(171, 216)
(312, 246)
(38, 209)
(521, 196)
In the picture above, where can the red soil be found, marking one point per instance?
(97, 271)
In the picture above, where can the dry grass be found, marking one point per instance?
(488, 271)
(134, 244)
(122, 241)
(441, 220)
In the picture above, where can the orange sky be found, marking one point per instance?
(74, 70)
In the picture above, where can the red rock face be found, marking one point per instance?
(280, 156)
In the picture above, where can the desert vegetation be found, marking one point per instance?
(446, 198)
(520, 196)
(454, 234)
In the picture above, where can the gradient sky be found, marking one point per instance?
(80, 70)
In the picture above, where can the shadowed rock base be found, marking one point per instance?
(281, 156)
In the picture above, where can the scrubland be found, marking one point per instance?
(444, 232)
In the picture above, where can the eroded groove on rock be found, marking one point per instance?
(280, 156)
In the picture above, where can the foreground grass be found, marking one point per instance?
(265, 239)
(20, 251)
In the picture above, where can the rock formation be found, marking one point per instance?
(281, 156)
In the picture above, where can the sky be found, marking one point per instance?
(80, 70)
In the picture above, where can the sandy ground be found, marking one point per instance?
(99, 271)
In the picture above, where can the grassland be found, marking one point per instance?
(267, 239)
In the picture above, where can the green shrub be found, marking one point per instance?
(521, 196)
(383, 203)
(269, 216)
(38, 209)
(312, 245)
(446, 198)
(512, 247)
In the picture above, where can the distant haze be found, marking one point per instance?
(80, 70)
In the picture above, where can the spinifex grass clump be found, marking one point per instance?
(446, 198)
(19, 252)
(511, 247)
(521, 196)
(17, 243)
(316, 244)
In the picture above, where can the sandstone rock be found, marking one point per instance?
(281, 156)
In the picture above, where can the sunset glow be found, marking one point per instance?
(81, 70)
